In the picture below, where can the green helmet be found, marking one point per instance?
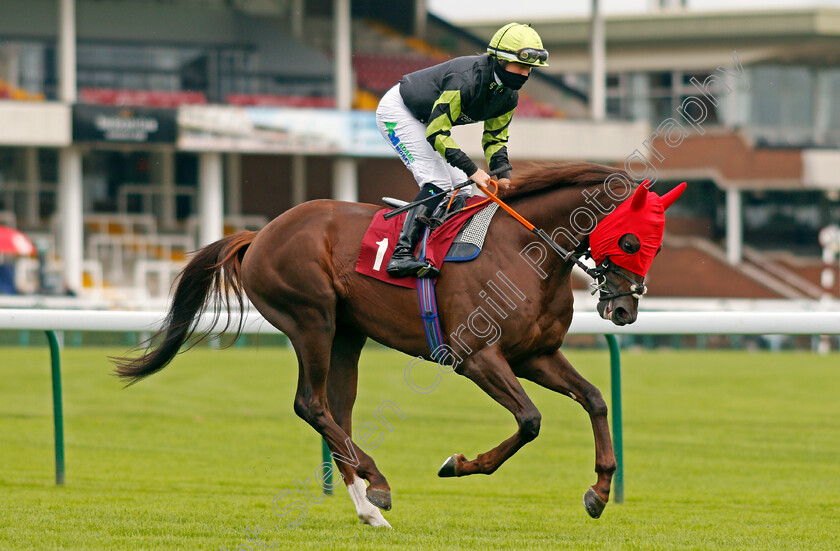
(520, 43)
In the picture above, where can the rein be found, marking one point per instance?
(598, 274)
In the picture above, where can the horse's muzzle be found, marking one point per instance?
(616, 312)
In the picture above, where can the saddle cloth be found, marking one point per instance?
(381, 237)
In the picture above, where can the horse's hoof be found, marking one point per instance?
(379, 497)
(374, 518)
(593, 503)
(448, 468)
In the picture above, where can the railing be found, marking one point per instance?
(149, 193)
(649, 323)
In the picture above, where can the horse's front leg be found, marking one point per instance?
(553, 371)
(491, 372)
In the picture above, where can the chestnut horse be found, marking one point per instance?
(298, 271)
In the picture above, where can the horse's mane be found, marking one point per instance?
(539, 177)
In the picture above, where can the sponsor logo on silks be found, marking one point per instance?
(398, 145)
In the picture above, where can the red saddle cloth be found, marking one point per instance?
(381, 237)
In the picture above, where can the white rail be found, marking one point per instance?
(714, 323)
(115, 321)
(648, 323)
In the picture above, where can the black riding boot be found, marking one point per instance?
(403, 262)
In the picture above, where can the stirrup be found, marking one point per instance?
(429, 270)
(417, 268)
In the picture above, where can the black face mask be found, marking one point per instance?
(514, 81)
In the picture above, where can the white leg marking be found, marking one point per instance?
(367, 511)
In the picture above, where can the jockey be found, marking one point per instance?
(417, 115)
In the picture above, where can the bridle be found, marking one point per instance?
(607, 289)
(599, 276)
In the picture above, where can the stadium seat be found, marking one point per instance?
(140, 98)
(269, 100)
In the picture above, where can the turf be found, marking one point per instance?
(723, 450)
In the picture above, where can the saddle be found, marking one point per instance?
(457, 237)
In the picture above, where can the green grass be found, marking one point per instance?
(723, 450)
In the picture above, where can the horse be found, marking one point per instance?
(298, 271)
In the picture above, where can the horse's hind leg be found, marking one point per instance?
(312, 337)
(554, 372)
(491, 372)
(341, 392)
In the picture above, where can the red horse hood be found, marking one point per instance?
(642, 215)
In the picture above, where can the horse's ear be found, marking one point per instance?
(669, 198)
(640, 197)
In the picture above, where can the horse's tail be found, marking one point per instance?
(206, 282)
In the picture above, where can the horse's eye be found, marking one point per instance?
(629, 243)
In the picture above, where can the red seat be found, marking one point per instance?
(528, 107)
(280, 101)
(140, 98)
(379, 72)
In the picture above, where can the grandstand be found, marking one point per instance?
(189, 119)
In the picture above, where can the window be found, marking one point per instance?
(783, 104)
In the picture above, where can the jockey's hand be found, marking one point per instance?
(504, 184)
(481, 178)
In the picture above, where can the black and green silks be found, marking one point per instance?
(462, 91)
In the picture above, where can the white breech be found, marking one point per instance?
(407, 136)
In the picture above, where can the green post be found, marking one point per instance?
(326, 457)
(618, 439)
(58, 416)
